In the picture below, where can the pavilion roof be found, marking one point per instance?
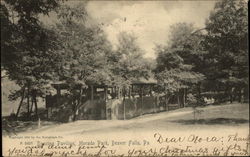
(140, 81)
(143, 81)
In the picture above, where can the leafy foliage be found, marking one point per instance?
(127, 63)
(175, 62)
(77, 52)
(27, 48)
(226, 41)
(83, 53)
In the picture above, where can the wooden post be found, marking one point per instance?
(157, 101)
(184, 95)
(112, 91)
(239, 95)
(151, 94)
(119, 92)
(58, 91)
(58, 94)
(39, 123)
(105, 93)
(178, 98)
(141, 88)
(129, 92)
(36, 106)
(150, 90)
(132, 90)
(166, 105)
(115, 93)
(80, 96)
(32, 103)
(242, 95)
(186, 90)
(231, 95)
(124, 107)
(28, 101)
(92, 92)
(124, 110)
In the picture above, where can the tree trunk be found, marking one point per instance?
(231, 98)
(142, 103)
(242, 95)
(78, 103)
(231, 95)
(28, 102)
(36, 110)
(32, 103)
(74, 103)
(199, 90)
(186, 91)
(184, 97)
(239, 95)
(21, 102)
(118, 93)
(124, 107)
(245, 94)
(80, 99)
(178, 98)
(167, 98)
(129, 92)
(166, 102)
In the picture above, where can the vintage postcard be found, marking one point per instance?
(124, 78)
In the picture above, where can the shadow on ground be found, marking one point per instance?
(15, 127)
(213, 121)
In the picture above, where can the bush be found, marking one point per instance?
(194, 101)
(218, 97)
(191, 100)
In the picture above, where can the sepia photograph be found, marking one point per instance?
(124, 78)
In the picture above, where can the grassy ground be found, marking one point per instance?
(16, 127)
(224, 116)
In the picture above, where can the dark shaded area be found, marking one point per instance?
(213, 121)
(15, 127)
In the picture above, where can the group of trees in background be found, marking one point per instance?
(212, 61)
(177, 62)
(74, 50)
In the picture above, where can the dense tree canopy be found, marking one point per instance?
(84, 50)
(76, 51)
(127, 63)
(176, 62)
(27, 46)
(216, 54)
(226, 41)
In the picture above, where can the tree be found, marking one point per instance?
(127, 62)
(83, 54)
(177, 64)
(226, 41)
(28, 49)
(7, 38)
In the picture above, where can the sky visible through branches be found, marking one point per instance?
(147, 20)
